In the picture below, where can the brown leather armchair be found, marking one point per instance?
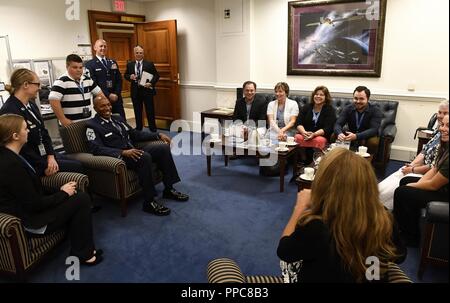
(19, 252)
(109, 177)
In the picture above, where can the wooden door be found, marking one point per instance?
(120, 48)
(159, 40)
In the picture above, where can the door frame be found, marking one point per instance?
(99, 16)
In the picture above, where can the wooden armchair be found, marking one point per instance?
(109, 177)
(19, 252)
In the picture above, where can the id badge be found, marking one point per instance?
(86, 112)
(109, 83)
(42, 149)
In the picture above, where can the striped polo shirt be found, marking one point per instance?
(73, 101)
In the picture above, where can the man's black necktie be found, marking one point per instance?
(104, 62)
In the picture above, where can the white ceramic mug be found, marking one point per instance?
(290, 140)
(362, 150)
(282, 145)
(309, 172)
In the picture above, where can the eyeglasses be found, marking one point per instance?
(36, 83)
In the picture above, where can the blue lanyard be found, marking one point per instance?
(315, 117)
(80, 87)
(359, 121)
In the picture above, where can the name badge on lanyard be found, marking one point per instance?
(359, 121)
(315, 117)
(86, 112)
(41, 147)
(42, 151)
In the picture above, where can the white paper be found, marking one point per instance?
(144, 77)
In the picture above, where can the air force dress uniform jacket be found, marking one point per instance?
(39, 143)
(108, 77)
(109, 138)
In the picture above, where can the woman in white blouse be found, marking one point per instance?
(282, 113)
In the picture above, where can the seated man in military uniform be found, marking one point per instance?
(112, 136)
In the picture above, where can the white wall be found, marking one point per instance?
(196, 37)
(39, 29)
(415, 52)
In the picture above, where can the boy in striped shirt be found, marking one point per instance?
(71, 94)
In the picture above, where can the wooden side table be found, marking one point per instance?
(214, 113)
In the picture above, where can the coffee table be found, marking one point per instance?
(231, 148)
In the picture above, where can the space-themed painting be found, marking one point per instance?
(337, 37)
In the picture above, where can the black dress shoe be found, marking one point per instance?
(156, 209)
(98, 252)
(175, 195)
(98, 260)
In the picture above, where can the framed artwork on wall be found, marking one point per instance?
(336, 37)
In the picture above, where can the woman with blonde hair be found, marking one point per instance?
(38, 150)
(21, 195)
(338, 224)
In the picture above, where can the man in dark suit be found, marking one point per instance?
(105, 73)
(251, 107)
(142, 93)
(112, 136)
(363, 121)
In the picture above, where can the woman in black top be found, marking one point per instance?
(337, 224)
(38, 150)
(21, 196)
(316, 121)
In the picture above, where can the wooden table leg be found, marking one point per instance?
(208, 164)
(202, 121)
(294, 166)
(282, 161)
